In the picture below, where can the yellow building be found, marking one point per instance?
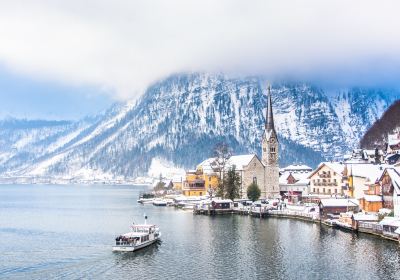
(198, 182)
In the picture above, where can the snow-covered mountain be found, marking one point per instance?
(182, 117)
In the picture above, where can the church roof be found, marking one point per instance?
(269, 120)
(240, 161)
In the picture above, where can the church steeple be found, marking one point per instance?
(270, 153)
(269, 118)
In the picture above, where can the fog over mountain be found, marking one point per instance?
(182, 117)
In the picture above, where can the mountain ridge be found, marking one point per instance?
(181, 117)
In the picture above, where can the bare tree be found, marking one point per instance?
(222, 153)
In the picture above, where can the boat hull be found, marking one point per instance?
(127, 248)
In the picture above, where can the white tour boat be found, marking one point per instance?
(140, 237)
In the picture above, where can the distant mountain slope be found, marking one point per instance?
(376, 135)
(182, 117)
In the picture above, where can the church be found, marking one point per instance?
(264, 172)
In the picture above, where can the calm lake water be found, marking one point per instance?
(52, 232)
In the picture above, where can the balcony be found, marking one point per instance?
(324, 175)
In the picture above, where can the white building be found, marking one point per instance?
(294, 180)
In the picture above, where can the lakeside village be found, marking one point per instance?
(362, 193)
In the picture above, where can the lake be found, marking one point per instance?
(66, 232)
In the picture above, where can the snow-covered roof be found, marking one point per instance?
(394, 139)
(390, 221)
(340, 202)
(372, 152)
(366, 170)
(395, 177)
(222, 200)
(301, 178)
(365, 217)
(335, 166)
(209, 165)
(297, 168)
(372, 198)
(240, 161)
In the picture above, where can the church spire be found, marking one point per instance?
(269, 119)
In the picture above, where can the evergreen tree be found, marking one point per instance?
(253, 192)
(232, 183)
(220, 189)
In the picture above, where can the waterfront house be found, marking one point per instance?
(294, 182)
(358, 218)
(202, 181)
(390, 186)
(337, 206)
(194, 184)
(390, 225)
(327, 179)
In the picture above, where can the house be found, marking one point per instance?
(294, 182)
(390, 186)
(357, 177)
(194, 184)
(327, 179)
(390, 226)
(393, 144)
(363, 217)
(202, 181)
(373, 156)
(337, 206)
(371, 203)
(365, 156)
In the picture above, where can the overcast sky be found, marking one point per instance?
(117, 48)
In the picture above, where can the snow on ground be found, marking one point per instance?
(165, 168)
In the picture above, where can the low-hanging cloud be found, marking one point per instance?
(122, 45)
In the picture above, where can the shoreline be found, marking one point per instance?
(303, 218)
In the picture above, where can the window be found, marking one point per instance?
(335, 190)
(209, 179)
(313, 190)
(255, 180)
(201, 193)
(323, 190)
